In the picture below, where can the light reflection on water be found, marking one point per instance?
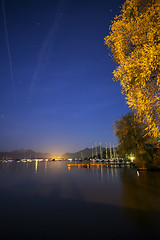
(96, 197)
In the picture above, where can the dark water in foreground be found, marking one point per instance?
(49, 201)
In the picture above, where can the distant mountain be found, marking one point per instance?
(85, 153)
(19, 154)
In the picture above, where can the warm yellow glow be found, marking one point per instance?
(36, 165)
(135, 42)
(56, 157)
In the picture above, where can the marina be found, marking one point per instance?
(109, 164)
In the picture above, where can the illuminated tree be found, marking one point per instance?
(131, 135)
(134, 40)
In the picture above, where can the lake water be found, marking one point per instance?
(47, 200)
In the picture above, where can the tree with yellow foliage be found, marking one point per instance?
(131, 134)
(134, 141)
(134, 40)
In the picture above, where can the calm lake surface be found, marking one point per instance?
(47, 200)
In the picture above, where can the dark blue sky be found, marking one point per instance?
(57, 92)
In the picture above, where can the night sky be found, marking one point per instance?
(57, 94)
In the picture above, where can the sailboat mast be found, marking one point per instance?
(110, 152)
(100, 151)
(96, 153)
(106, 152)
(114, 153)
(92, 151)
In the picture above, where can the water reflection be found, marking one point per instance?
(36, 165)
(98, 198)
(141, 199)
(101, 174)
(141, 190)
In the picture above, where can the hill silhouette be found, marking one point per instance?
(20, 154)
(85, 153)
